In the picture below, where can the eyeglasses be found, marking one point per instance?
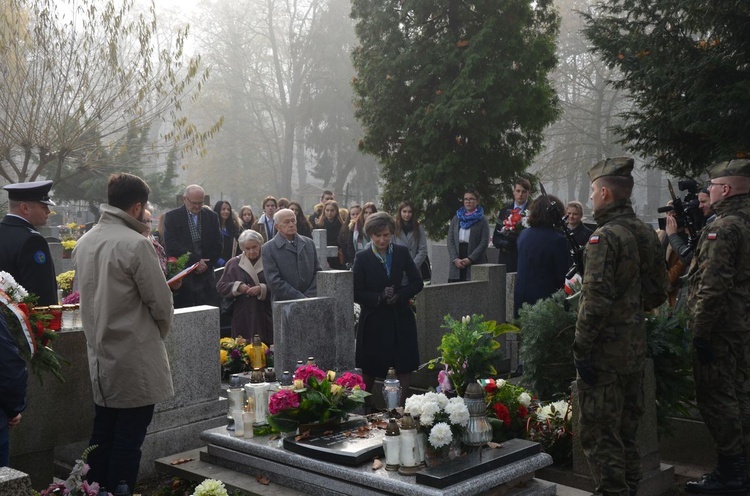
(470, 199)
(195, 203)
(711, 184)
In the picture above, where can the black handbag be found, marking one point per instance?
(226, 307)
(426, 270)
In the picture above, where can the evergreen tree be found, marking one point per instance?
(453, 94)
(685, 65)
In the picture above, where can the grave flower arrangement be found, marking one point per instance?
(210, 487)
(175, 265)
(316, 397)
(76, 484)
(231, 354)
(508, 408)
(32, 327)
(65, 281)
(468, 350)
(441, 419)
(551, 426)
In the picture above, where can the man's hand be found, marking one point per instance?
(202, 267)
(458, 263)
(465, 262)
(671, 225)
(703, 350)
(14, 421)
(393, 299)
(586, 371)
(176, 285)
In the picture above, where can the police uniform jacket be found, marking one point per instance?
(24, 254)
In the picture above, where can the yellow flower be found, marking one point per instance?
(335, 389)
(298, 384)
(72, 225)
(227, 343)
(331, 375)
(68, 244)
(65, 280)
(224, 356)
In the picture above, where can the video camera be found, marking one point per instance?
(687, 211)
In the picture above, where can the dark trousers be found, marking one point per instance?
(119, 434)
(463, 252)
(4, 441)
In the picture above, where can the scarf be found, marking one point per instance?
(466, 220)
(195, 226)
(387, 260)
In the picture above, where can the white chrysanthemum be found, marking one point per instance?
(500, 383)
(426, 420)
(440, 435)
(560, 408)
(457, 411)
(430, 397)
(12, 288)
(210, 487)
(442, 400)
(544, 413)
(414, 405)
(524, 399)
(430, 409)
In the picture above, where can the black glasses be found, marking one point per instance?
(711, 184)
(195, 203)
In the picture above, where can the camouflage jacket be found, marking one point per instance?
(624, 272)
(719, 297)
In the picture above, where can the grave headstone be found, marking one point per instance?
(322, 249)
(14, 483)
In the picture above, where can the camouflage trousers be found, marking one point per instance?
(723, 394)
(609, 417)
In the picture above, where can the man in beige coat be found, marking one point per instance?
(126, 309)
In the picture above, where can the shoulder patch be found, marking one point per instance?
(594, 240)
(40, 257)
(712, 236)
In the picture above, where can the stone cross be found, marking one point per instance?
(323, 250)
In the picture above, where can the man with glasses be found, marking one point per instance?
(505, 239)
(24, 253)
(718, 302)
(192, 228)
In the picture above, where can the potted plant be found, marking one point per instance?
(469, 349)
(442, 421)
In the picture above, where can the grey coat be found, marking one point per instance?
(291, 273)
(479, 239)
(417, 248)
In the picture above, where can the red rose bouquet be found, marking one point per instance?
(508, 408)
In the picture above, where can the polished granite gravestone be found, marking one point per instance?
(315, 476)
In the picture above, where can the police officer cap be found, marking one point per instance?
(737, 167)
(33, 191)
(619, 166)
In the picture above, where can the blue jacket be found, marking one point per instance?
(543, 260)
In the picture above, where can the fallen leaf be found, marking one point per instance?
(462, 43)
(178, 461)
(493, 445)
(304, 435)
(377, 464)
(327, 433)
(263, 479)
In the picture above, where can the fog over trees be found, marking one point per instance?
(257, 97)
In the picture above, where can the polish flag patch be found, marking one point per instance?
(594, 240)
(712, 236)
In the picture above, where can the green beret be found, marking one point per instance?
(737, 167)
(619, 166)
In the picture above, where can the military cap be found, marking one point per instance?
(33, 191)
(737, 167)
(619, 166)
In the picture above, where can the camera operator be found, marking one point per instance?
(704, 203)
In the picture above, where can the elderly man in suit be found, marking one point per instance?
(195, 229)
(290, 261)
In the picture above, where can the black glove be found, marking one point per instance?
(586, 371)
(387, 292)
(703, 350)
(393, 299)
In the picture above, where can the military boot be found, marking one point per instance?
(729, 477)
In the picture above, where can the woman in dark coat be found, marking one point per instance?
(337, 234)
(229, 225)
(303, 225)
(543, 254)
(387, 331)
(244, 281)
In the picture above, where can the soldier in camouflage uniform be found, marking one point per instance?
(719, 301)
(625, 274)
